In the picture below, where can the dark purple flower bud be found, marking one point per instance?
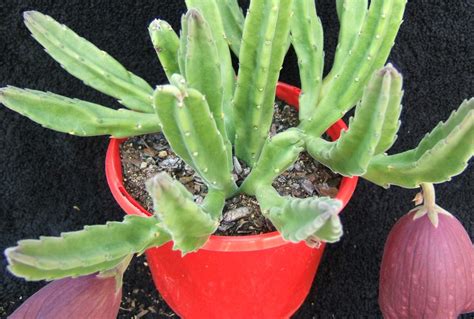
(73, 298)
(427, 271)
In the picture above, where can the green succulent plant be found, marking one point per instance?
(208, 114)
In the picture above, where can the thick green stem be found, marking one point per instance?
(77, 117)
(166, 44)
(94, 249)
(353, 152)
(310, 219)
(264, 43)
(188, 223)
(85, 61)
(190, 129)
(366, 51)
(210, 11)
(448, 147)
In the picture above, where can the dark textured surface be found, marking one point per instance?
(44, 173)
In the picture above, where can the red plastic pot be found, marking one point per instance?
(259, 276)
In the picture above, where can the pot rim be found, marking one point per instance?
(113, 171)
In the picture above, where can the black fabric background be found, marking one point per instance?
(43, 174)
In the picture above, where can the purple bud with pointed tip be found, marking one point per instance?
(73, 298)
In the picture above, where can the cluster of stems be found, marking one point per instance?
(209, 113)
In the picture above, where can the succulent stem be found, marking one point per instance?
(94, 249)
(448, 147)
(368, 52)
(279, 152)
(233, 22)
(200, 64)
(312, 219)
(352, 153)
(264, 43)
(166, 44)
(85, 61)
(188, 223)
(308, 40)
(191, 130)
(210, 11)
(77, 117)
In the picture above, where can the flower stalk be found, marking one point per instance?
(429, 206)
